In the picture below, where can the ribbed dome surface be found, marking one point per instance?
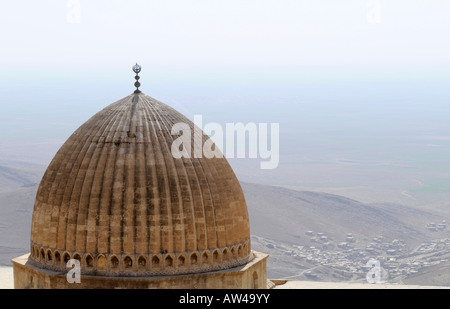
(116, 199)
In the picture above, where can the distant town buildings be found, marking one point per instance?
(433, 227)
(349, 256)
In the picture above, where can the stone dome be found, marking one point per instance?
(116, 199)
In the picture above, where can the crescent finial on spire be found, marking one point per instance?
(137, 69)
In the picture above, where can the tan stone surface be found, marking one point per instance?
(249, 276)
(6, 278)
(115, 198)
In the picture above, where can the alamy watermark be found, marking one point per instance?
(376, 274)
(74, 275)
(74, 12)
(241, 140)
(373, 11)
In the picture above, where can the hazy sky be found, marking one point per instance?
(273, 59)
(231, 34)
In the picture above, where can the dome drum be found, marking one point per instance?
(143, 264)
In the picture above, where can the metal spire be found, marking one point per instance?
(137, 69)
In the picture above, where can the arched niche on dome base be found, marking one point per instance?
(101, 262)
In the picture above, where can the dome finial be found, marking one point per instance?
(137, 69)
